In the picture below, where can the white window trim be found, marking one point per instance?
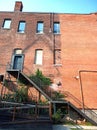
(39, 57)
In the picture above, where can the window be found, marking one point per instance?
(40, 27)
(38, 57)
(57, 56)
(7, 23)
(56, 27)
(21, 27)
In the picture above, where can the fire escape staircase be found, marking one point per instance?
(87, 114)
(22, 77)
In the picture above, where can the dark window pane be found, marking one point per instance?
(21, 27)
(56, 28)
(39, 27)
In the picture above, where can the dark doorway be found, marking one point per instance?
(18, 62)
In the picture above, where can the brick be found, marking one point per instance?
(77, 42)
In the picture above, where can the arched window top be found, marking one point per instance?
(18, 51)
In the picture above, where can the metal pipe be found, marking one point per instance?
(81, 71)
(82, 95)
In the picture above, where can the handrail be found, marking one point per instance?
(91, 114)
(48, 90)
(41, 85)
(73, 97)
(32, 82)
(8, 66)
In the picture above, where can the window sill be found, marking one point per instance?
(38, 64)
(57, 33)
(57, 65)
(21, 32)
(5, 28)
(40, 33)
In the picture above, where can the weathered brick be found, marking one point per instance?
(77, 42)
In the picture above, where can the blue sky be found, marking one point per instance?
(59, 6)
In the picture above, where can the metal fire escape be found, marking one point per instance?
(89, 115)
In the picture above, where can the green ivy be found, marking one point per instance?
(40, 79)
(57, 95)
(56, 117)
(21, 95)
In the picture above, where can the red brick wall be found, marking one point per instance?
(77, 42)
(29, 41)
(18, 6)
(79, 52)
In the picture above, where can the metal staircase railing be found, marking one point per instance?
(42, 86)
(47, 91)
(38, 84)
(39, 88)
(89, 114)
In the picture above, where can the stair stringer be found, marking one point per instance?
(36, 86)
(83, 114)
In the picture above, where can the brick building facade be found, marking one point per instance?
(62, 46)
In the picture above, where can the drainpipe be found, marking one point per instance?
(81, 71)
(82, 96)
(53, 35)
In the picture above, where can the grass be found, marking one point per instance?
(76, 128)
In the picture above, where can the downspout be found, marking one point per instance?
(53, 35)
(82, 95)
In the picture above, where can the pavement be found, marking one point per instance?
(60, 127)
(45, 126)
(28, 126)
(78, 127)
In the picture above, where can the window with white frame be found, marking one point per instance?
(56, 27)
(21, 26)
(6, 23)
(40, 26)
(38, 56)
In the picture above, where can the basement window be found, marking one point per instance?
(21, 27)
(6, 23)
(38, 56)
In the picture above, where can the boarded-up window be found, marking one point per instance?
(38, 56)
(17, 51)
(57, 56)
